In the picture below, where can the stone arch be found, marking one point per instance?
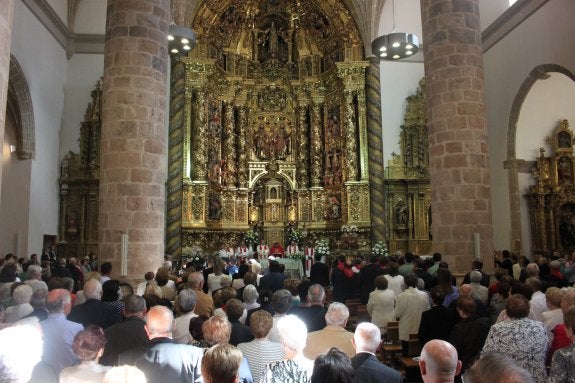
(20, 106)
(512, 164)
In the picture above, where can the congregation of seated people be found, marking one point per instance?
(227, 319)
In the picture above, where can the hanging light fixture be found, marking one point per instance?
(181, 39)
(395, 45)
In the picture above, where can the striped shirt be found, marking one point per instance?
(259, 353)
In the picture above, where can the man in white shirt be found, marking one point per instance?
(538, 301)
(226, 251)
(409, 306)
(292, 248)
(262, 250)
(243, 251)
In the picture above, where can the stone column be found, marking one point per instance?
(375, 152)
(6, 16)
(458, 145)
(133, 139)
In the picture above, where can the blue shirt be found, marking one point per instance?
(59, 336)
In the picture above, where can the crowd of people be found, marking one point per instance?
(224, 319)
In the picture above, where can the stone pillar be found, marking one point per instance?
(6, 16)
(458, 146)
(133, 139)
(375, 152)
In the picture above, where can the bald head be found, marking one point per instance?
(159, 322)
(59, 301)
(465, 290)
(438, 362)
(195, 280)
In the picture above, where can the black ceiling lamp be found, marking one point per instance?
(395, 45)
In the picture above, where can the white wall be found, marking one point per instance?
(91, 17)
(83, 73)
(43, 62)
(15, 200)
(398, 81)
(490, 10)
(541, 39)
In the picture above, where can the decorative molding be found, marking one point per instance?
(523, 166)
(88, 43)
(508, 21)
(50, 20)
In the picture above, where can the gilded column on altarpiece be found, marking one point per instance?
(229, 149)
(242, 146)
(350, 136)
(316, 145)
(199, 144)
(303, 147)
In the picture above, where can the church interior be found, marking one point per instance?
(282, 118)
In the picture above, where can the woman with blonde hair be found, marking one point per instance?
(215, 278)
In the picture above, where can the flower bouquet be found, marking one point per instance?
(295, 235)
(297, 255)
(380, 249)
(251, 237)
(322, 248)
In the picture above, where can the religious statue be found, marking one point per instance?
(401, 213)
(565, 171)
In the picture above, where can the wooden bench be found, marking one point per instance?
(412, 373)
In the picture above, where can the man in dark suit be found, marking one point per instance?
(368, 369)
(128, 334)
(367, 277)
(274, 280)
(94, 311)
(319, 272)
(477, 265)
(164, 360)
(313, 315)
(436, 323)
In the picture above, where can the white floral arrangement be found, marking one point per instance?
(322, 248)
(380, 249)
(251, 237)
(296, 255)
(296, 236)
(349, 229)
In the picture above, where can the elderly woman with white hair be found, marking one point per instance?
(21, 295)
(250, 296)
(295, 367)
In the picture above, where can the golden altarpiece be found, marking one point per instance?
(407, 188)
(551, 199)
(268, 126)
